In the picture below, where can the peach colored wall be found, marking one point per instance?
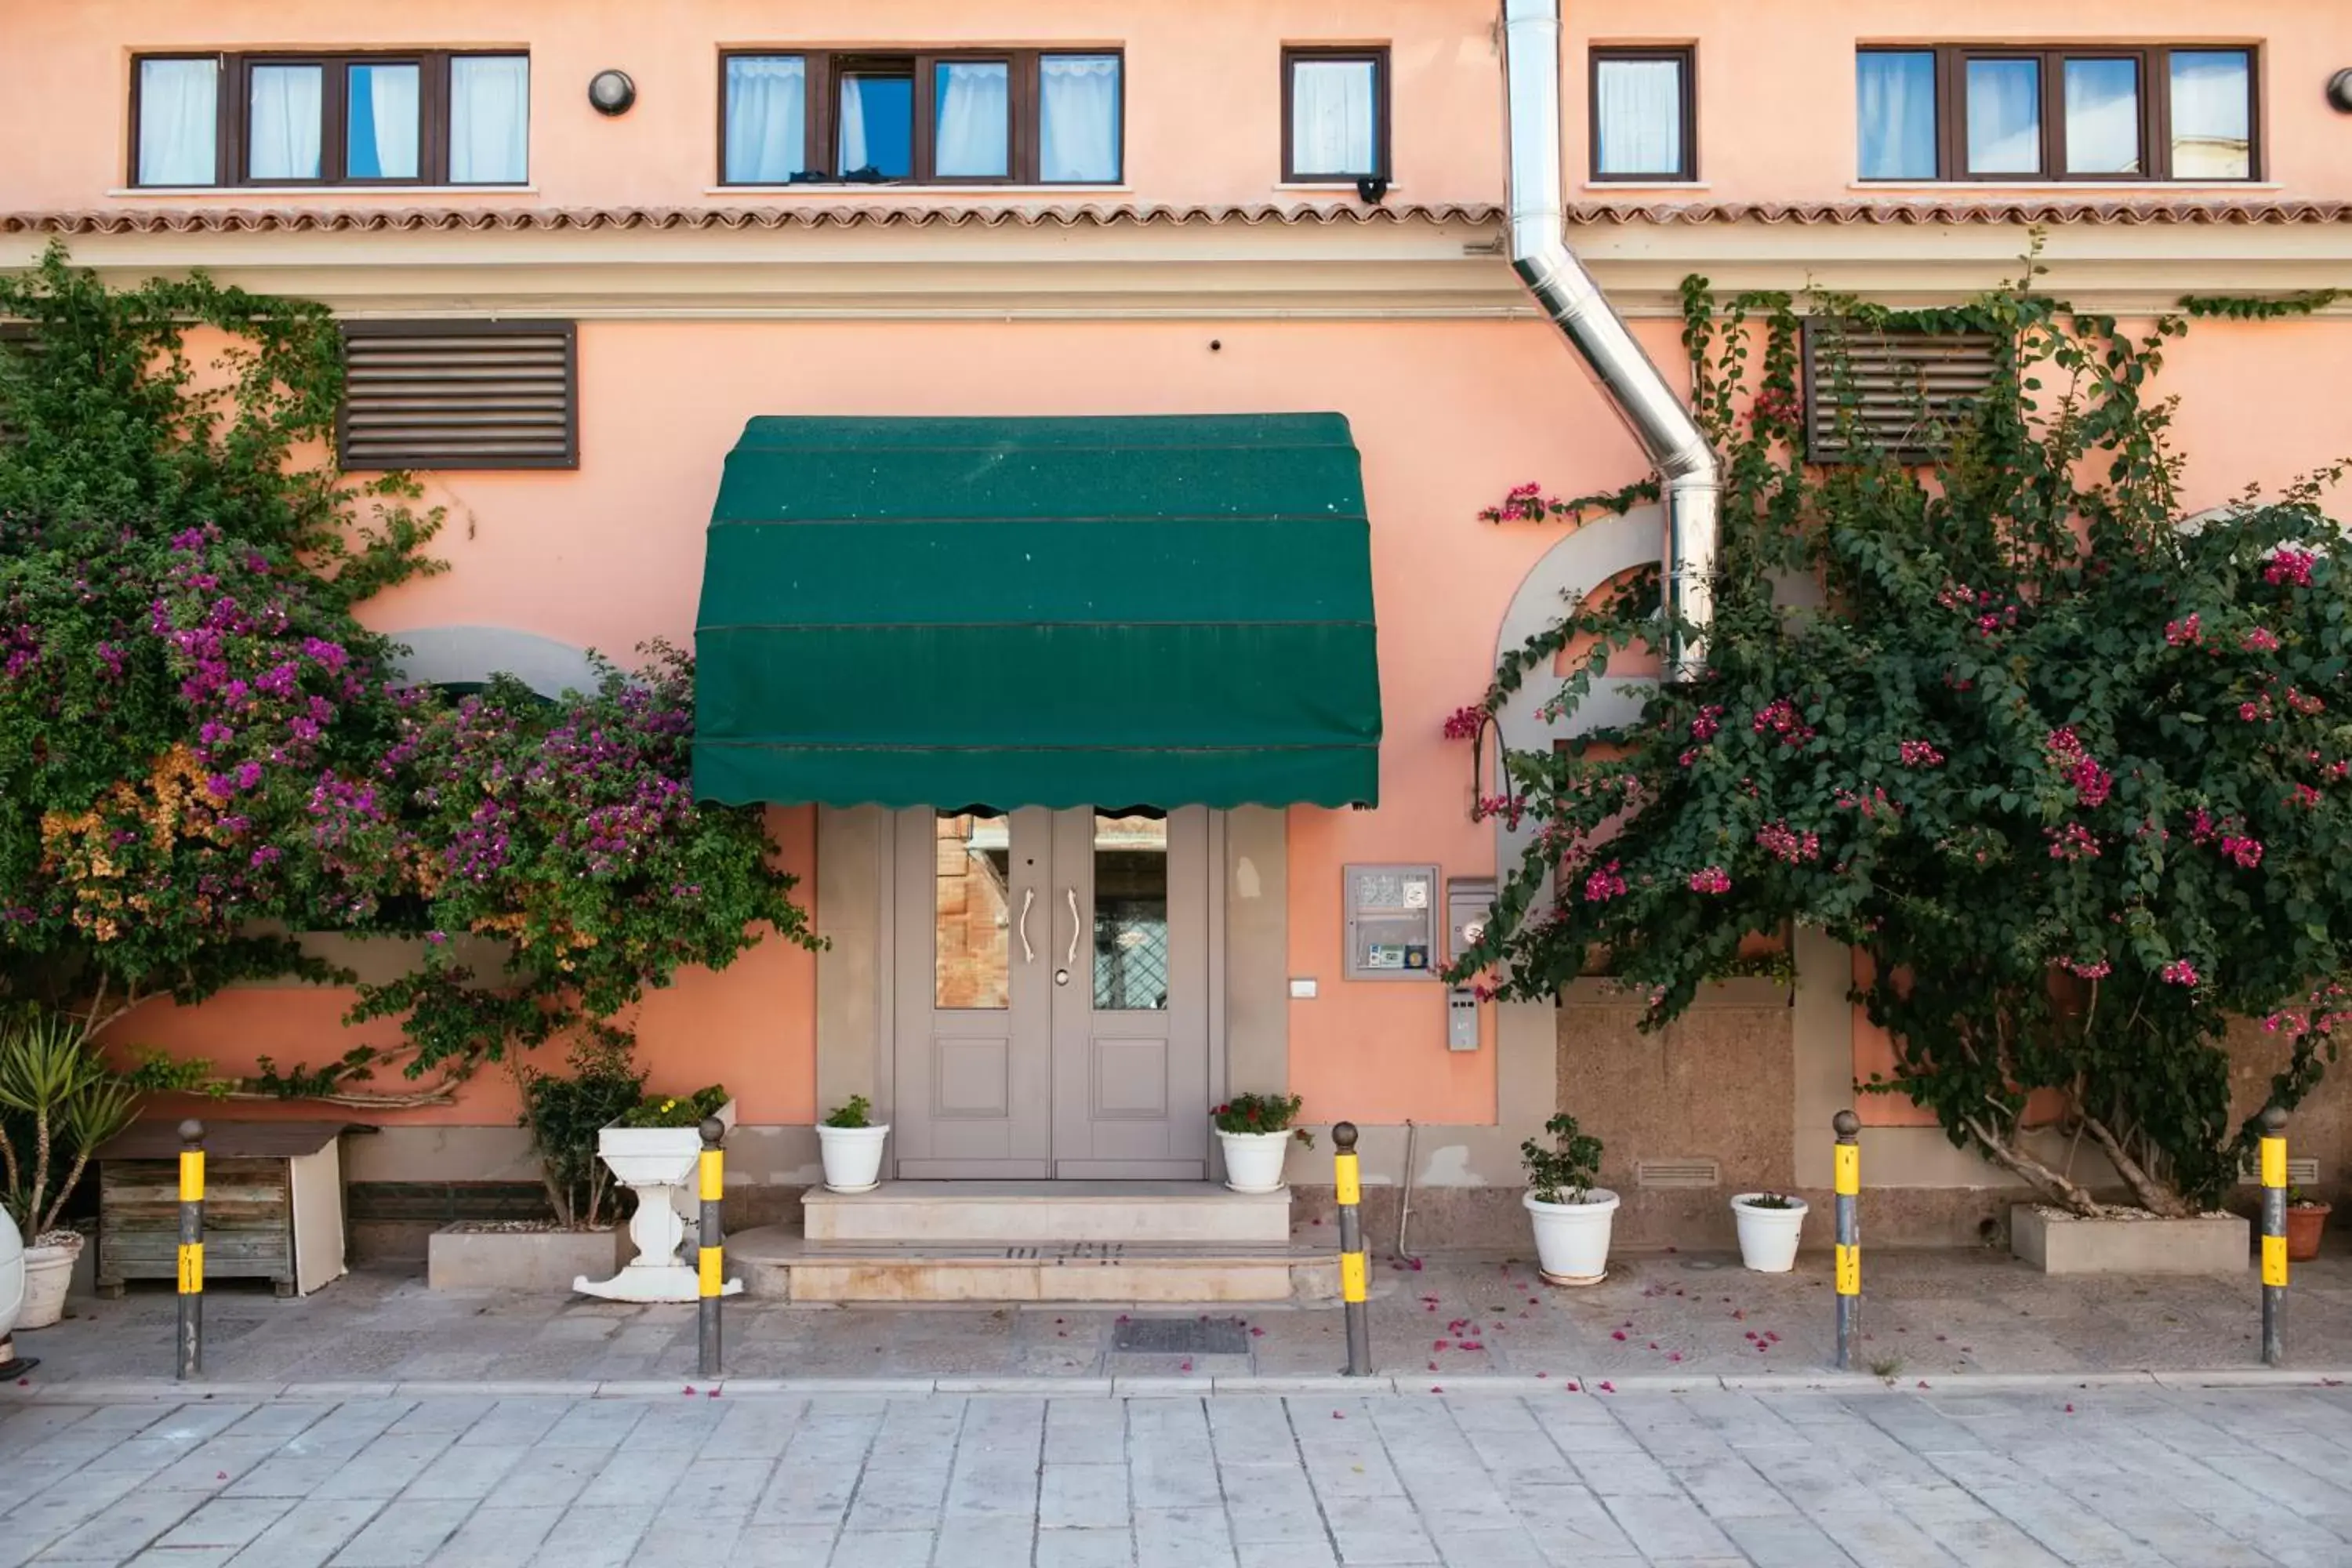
(1776, 91)
(1776, 82)
(1446, 415)
(1203, 83)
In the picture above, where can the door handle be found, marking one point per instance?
(1070, 960)
(1028, 954)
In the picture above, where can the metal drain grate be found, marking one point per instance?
(1182, 1336)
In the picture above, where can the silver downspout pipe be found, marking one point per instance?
(1692, 476)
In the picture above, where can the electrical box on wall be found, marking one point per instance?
(1391, 922)
(1469, 903)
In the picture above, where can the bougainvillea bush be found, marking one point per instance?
(204, 752)
(568, 830)
(2067, 767)
(181, 664)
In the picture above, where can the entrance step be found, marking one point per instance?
(779, 1263)
(974, 1216)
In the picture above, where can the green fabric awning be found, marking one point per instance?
(1147, 612)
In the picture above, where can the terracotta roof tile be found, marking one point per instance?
(812, 216)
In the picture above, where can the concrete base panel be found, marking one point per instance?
(2064, 1244)
(776, 1264)
(536, 1260)
(1043, 1213)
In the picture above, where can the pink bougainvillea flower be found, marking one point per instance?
(1713, 879)
(2288, 565)
(2180, 971)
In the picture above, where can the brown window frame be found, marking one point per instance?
(230, 137)
(1684, 55)
(2154, 64)
(470, 326)
(821, 78)
(1374, 54)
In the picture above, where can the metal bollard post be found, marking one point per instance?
(1848, 1127)
(1354, 1273)
(2274, 1235)
(710, 1261)
(192, 1251)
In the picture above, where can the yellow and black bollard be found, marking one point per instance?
(710, 1260)
(2273, 1174)
(191, 1250)
(1848, 1127)
(1355, 1275)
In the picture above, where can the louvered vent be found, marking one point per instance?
(460, 395)
(1677, 1173)
(18, 335)
(1902, 387)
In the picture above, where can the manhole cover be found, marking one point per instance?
(1182, 1336)
(1703, 1265)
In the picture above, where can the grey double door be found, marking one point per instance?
(1052, 994)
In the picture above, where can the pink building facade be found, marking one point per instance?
(717, 212)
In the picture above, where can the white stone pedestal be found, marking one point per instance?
(658, 1164)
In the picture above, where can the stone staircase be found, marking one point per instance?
(1036, 1241)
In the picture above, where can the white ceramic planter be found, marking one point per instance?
(853, 1156)
(658, 1164)
(1253, 1160)
(47, 1271)
(1768, 1237)
(12, 1275)
(1573, 1239)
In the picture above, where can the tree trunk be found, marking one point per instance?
(2153, 1195)
(2053, 1186)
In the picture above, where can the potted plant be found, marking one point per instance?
(58, 1103)
(652, 1148)
(1255, 1131)
(1769, 1225)
(1572, 1217)
(851, 1143)
(2306, 1219)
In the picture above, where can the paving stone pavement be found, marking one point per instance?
(2166, 1477)
(1457, 1315)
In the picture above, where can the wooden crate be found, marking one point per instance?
(273, 1204)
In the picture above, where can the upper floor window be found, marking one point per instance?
(428, 117)
(1335, 114)
(2081, 112)
(1644, 114)
(981, 117)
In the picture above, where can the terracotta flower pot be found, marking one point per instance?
(2304, 1224)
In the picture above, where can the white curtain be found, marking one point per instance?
(1894, 99)
(767, 119)
(1639, 118)
(282, 138)
(179, 123)
(2102, 116)
(2212, 135)
(392, 104)
(2004, 117)
(853, 127)
(1078, 103)
(1332, 125)
(974, 120)
(489, 120)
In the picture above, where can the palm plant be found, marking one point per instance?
(58, 1103)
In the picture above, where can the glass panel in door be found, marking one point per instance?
(1130, 914)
